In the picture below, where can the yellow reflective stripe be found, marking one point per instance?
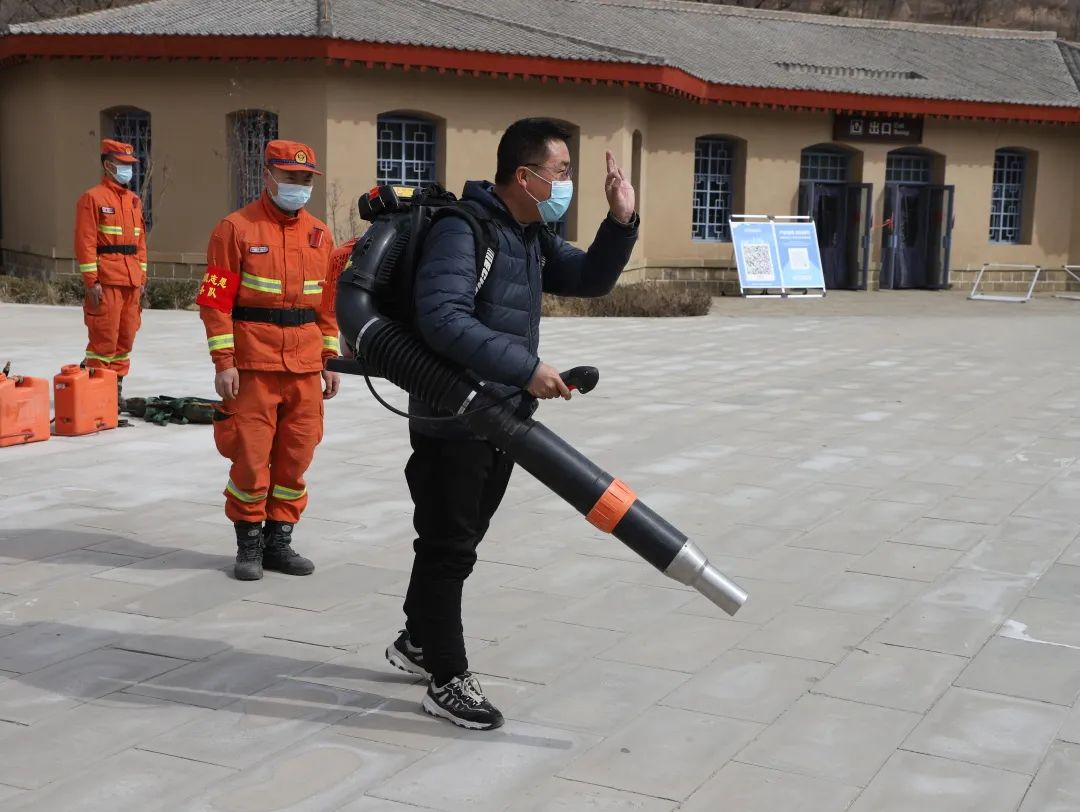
(221, 342)
(118, 230)
(312, 286)
(261, 283)
(331, 343)
(107, 358)
(243, 496)
(138, 231)
(87, 267)
(142, 265)
(288, 494)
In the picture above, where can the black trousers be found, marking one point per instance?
(456, 487)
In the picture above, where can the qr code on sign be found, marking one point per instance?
(799, 259)
(757, 262)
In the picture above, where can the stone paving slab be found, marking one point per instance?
(627, 759)
(1057, 786)
(68, 683)
(560, 795)
(820, 736)
(894, 479)
(39, 754)
(249, 730)
(893, 677)
(319, 772)
(912, 781)
(1025, 669)
(988, 729)
(744, 786)
(748, 685)
(131, 781)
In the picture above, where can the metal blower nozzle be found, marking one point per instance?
(691, 567)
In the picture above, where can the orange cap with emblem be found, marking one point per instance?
(292, 156)
(118, 151)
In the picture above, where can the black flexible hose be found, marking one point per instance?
(393, 351)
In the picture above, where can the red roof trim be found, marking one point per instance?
(674, 81)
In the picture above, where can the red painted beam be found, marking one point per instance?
(663, 78)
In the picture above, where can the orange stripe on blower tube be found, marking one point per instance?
(612, 505)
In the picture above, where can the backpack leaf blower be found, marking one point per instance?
(389, 347)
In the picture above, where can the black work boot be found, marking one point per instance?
(278, 554)
(119, 393)
(249, 551)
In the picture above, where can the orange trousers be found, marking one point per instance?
(112, 326)
(269, 431)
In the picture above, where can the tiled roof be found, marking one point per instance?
(189, 17)
(721, 45)
(415, 22)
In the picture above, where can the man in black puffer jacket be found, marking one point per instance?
(457, 479)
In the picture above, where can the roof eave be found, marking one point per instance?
(662, 78)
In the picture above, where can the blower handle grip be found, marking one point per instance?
(583, 379)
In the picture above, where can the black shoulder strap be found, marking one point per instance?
(485, 240)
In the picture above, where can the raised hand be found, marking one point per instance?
(619, 191)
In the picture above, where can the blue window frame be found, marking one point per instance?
(133, 127)
(1007, 196)
(714, 168)
(406, 150)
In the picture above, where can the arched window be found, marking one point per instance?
(132, 126)
(407, 150)
(715, 162)
(249, 133)
(1010, 198)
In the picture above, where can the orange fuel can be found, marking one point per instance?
(24, 410)
(85, 400)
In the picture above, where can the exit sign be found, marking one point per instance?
(883, 129)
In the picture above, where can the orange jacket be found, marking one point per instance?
(281, 261)
(110, 214)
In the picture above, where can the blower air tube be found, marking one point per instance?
(392, 350)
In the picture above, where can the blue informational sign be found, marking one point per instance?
(755, 255)
(800, 258)
(777, 255)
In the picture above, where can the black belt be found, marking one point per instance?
(118, 249)
(282, 316)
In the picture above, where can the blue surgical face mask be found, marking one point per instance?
(554, 208)
(122, 174)
(291, 196)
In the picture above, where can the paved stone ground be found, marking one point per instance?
(895, 478)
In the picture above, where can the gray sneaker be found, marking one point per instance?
(462, 701)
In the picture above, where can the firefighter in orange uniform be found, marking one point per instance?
(110, 247)
(270, 329)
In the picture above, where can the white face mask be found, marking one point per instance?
(288, 197)
(291, 196)
(122, 174)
